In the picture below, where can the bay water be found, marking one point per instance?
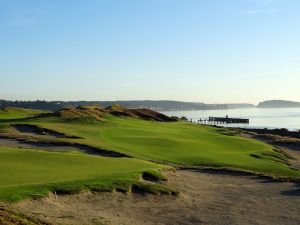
(288, 118)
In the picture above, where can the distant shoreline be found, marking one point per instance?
(283, 132)
(261, 129)
(157, 105)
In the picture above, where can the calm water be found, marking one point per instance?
(259, 118)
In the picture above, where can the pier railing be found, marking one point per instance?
(223, 120)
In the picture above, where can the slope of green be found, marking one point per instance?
(175, 143)
(18, 113)
(27, 173)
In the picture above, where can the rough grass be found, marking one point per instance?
(92, 112)
(97, 113)
(29, 173)
(176, 143)
(8, 217)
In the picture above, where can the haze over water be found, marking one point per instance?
(288, 118)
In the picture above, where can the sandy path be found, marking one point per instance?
(207, 198)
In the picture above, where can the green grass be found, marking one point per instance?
(29, 173)
(178, 143)
(18, 113)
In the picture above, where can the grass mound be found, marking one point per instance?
(146, 114)
(142, 188)
(93, 112)
(97, 113)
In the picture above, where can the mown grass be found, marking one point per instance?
(30, 173)
(176, 143)
(11, 113)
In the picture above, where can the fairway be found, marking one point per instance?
(175, 143)
(28, 173)
(153, 146)
(18, 113)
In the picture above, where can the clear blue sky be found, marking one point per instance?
(192, 50)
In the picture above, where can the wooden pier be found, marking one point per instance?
(223, 120)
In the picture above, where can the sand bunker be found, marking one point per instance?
(212, 198)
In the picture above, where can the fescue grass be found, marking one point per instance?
(12, 218)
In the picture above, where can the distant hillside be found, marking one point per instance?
(278, 104)
(154, 105)
(163, 105)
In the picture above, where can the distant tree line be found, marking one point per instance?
(155, 105)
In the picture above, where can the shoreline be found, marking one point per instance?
(250, 127)
(260, 118)
(283, 132)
